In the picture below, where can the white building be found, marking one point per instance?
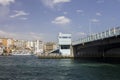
(64, 42)
(20, 43)
(9, 42)
(38, 46)
(30, 44)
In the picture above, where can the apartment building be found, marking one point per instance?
(49, 46)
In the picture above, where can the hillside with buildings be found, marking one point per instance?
(10, 46)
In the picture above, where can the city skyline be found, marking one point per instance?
(44, 19)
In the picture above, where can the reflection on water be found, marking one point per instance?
(32, 68)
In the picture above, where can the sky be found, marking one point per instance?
(44, 19)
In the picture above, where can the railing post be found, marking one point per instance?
(101, 36)
(105, 34)
(109, 32)
(114, 31)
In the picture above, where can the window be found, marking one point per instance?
(65, 46)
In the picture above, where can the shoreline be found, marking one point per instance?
(54, 57)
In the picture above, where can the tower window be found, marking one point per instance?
(65, 46)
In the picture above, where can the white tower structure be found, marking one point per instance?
(38, 46)
(64, 42)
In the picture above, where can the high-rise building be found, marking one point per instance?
(38, 47)
(30, 44)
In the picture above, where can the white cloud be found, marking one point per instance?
(65, 13)
(60, 1)
(94, 20)
(98, 14)
(79, 11)
(19, 13)
(25, 36)
(5, 9)
(6, 2)
(61, 20)
(53, 3)
(23, 18)
(3, 32)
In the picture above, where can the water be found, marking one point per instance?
(32, 68)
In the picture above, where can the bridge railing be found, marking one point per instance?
(109, 33)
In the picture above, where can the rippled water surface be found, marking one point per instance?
(32, 68)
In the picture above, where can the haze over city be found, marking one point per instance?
(44, 19)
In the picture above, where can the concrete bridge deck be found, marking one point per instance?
(105, 44)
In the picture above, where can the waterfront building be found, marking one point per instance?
(6, 42)
(41, 46)
(49, 46)
(64, 42)
(20, 44)
(30, 45)
(1, 50)
(6, 45)
(38, 47)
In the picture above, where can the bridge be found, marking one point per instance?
(104, 44)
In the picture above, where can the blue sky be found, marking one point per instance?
(44, 19)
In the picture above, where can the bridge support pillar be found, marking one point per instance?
(101, 51)
(72, 51)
